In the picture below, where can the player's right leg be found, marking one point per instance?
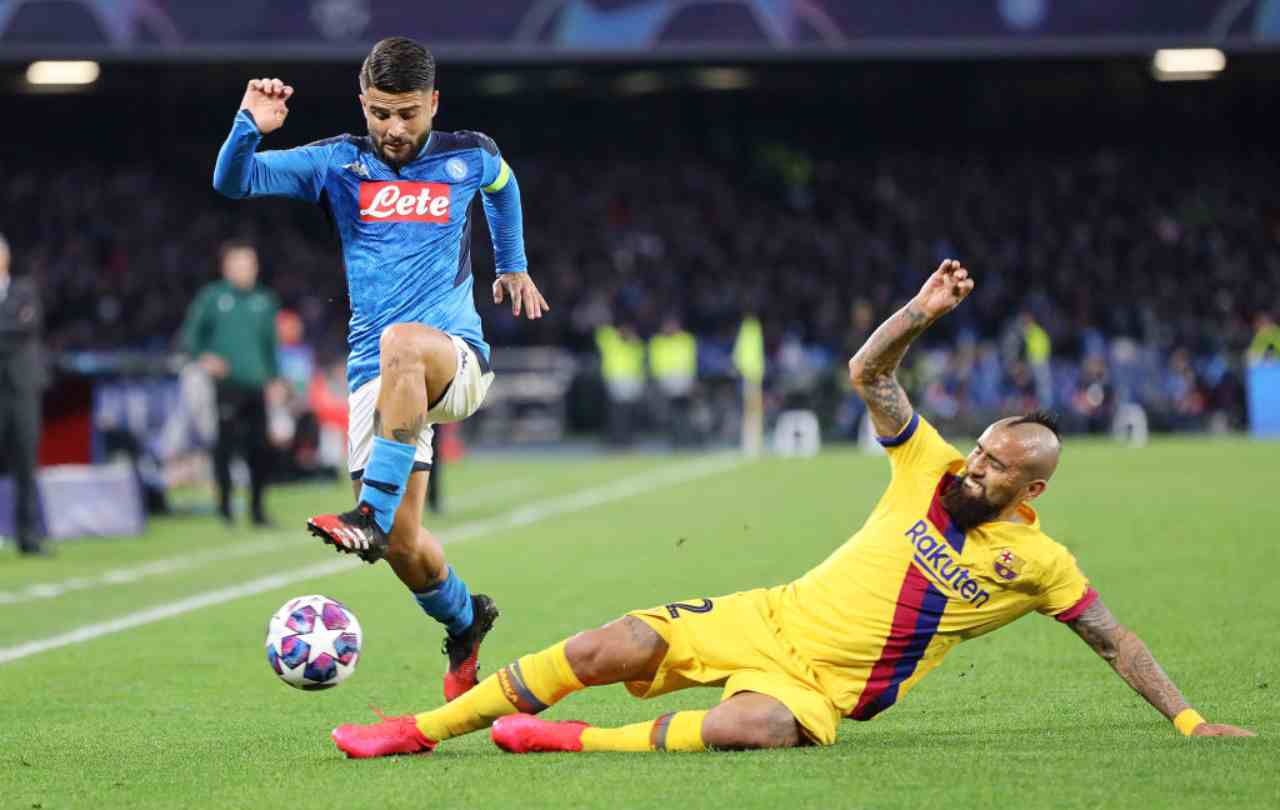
(623, 650)
(417, 365)
(747, 720)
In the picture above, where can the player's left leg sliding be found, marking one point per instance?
(508, 700)
(528, 685)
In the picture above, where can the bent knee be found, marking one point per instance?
(401, 342)
(625, 649)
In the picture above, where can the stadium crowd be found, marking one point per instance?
(1106, 275)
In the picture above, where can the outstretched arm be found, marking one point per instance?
(873, 370)
(1132, 661)
(243, 172)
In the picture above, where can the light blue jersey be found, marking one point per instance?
(406, 234)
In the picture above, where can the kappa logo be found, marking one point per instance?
(357, 168)
(1008, 565)
(404, 201)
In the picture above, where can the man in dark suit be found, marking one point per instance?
(23, 377)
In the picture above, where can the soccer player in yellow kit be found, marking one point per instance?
(953, 550)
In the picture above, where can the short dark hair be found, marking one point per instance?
(398, 65)
(1047, 419)
(234, 243)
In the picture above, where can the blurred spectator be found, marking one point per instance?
(1266, 340)
(622, 365)
(673, 363)
(1038, 351)
(1092, 402)
(231, 332)
(1186, 397)
(327, 401)
(1153, 250)
(23, 377)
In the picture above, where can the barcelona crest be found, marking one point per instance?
(1008, 566)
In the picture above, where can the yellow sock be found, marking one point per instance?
(540, 680)
(529, 685)
(679, 731)
(477, 709)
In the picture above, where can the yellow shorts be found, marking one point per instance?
(733, 641)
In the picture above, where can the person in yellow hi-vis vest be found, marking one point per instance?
(673, 364)
(748, 359)
(1266, 340)
(1039, 349)
(622, 365)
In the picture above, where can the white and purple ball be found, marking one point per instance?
(313, 642)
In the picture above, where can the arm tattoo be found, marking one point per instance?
(1129, 657)
(872, 370)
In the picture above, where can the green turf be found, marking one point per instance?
(184, 712)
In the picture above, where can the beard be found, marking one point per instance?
(405, 155)
(968, 510)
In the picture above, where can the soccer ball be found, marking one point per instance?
(313, 642)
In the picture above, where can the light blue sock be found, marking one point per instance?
(388, 470)
(449, 603)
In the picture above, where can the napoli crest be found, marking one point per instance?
(456, 168)
(1008, 566)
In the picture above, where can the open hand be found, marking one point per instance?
(519, 287)
(946, 288)
(1220, 730)
(265, 100)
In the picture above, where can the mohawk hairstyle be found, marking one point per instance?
(398, 65)
(1044, 418)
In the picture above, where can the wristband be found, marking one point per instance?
(1187, 720)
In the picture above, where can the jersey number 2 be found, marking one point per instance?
(675, 607)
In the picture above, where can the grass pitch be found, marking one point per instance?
(183, 711)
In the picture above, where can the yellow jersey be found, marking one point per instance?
(886, 606)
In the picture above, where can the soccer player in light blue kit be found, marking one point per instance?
(399, 199)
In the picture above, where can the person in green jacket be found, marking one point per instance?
(230, 330)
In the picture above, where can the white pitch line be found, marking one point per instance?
(170, 609)
(265, 544)
(168, 565)
(490, 493)
(522, 516)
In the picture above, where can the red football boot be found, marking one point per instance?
(355, 532)
(388, 736)
(464, 651)
(526, 734)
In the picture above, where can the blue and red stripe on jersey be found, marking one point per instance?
(941, 518)
(915, 621)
